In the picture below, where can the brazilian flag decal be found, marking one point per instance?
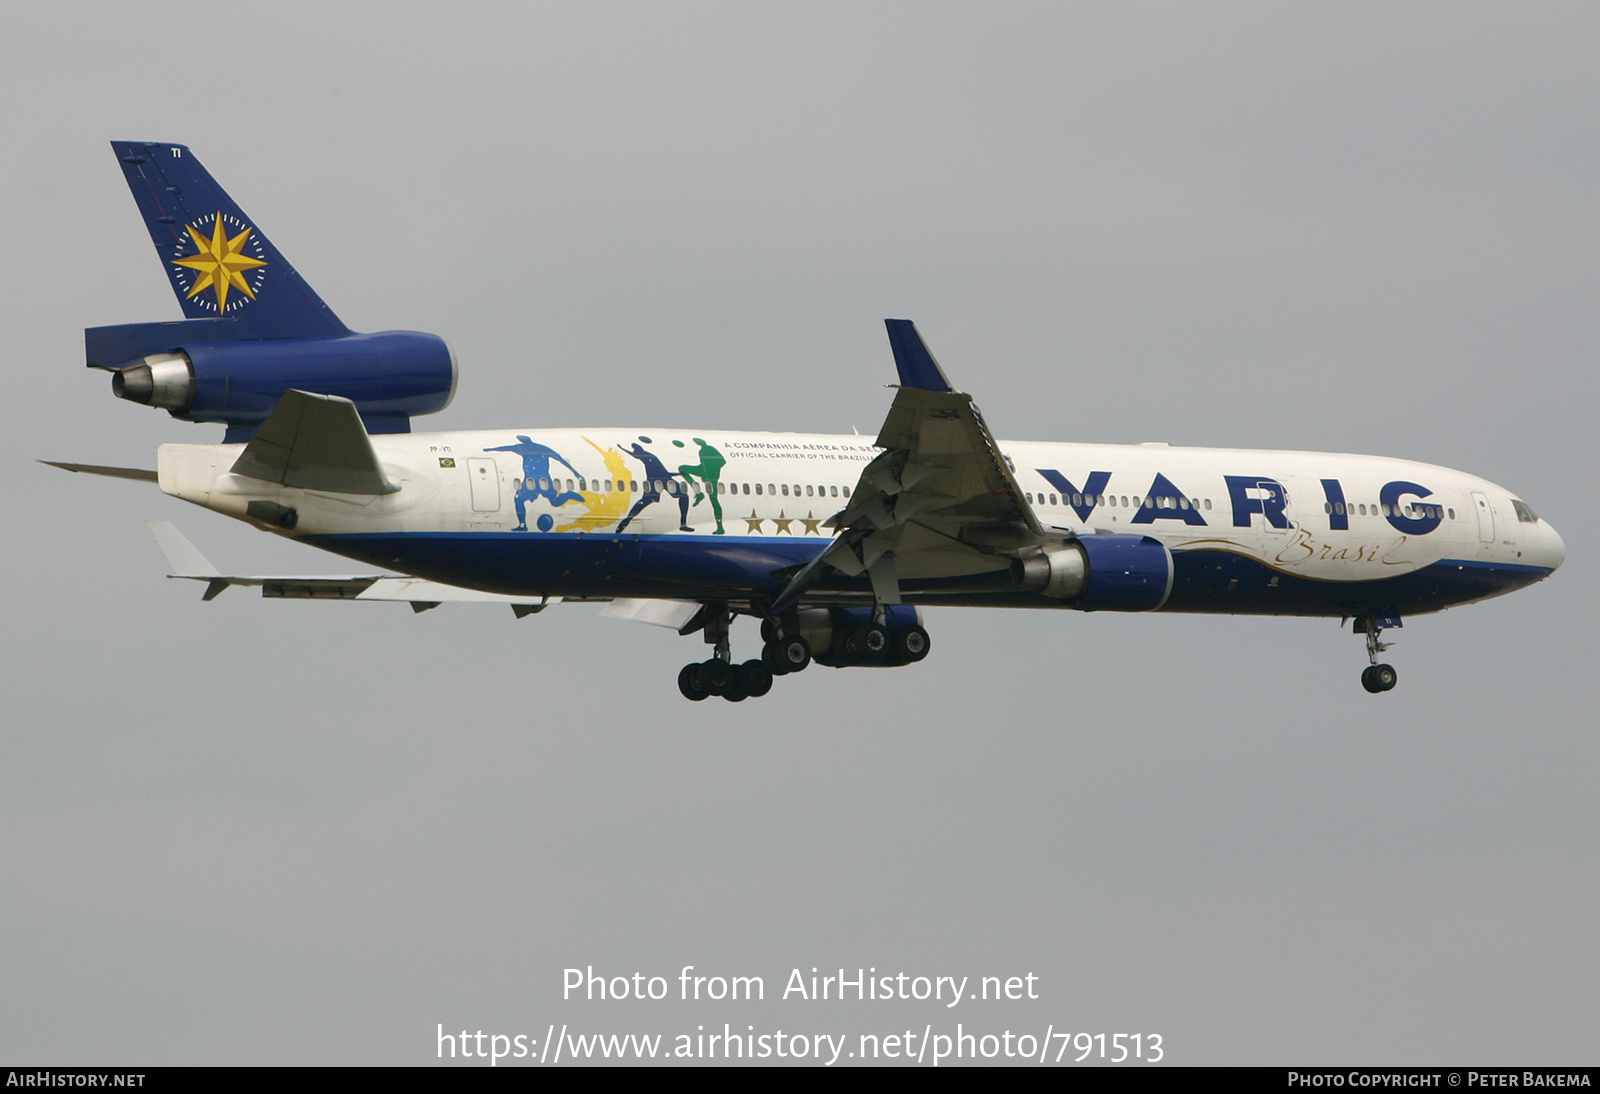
(446, 461)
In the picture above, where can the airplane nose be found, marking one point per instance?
(1553, 550)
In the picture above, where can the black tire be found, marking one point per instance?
(690, 683)
(874, 641)
(772, 657)
(769, 631)
(714, 676)
(791, 654)
(910, 644)
(1384, 677)
(866, 643)
(738, 689)
(757, 678)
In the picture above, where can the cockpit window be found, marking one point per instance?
(1524, 514)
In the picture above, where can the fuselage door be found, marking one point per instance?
(485, 476)
(1274, 500)
(1480, 502)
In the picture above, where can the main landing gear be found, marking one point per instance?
(718, 675)
(1375, 677)
(849, 636)
(735, 683)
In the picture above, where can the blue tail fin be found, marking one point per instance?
(220, 265)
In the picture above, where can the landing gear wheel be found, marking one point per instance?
(714, 676)
(757, 678)
(690, 682)
(787, 655)
(769, 631)
(1379, 678)
(737, 690)
(910, 644)
(772, 657)
(868, 642)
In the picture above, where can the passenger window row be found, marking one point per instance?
(1352, 508)
(1415, 512)
(1118, 501)
(785, 490)
(633, 486)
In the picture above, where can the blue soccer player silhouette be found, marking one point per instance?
(656, 474)
(537, 482)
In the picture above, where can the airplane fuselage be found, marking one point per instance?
(650, 512)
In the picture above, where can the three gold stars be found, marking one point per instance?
(219, 263)
(811, 521)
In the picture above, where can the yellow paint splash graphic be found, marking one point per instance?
(604, 508)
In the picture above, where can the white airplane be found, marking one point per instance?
(832, 542)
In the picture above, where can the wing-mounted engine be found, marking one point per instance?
(1104, 573)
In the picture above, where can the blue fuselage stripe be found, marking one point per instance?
(741, 567)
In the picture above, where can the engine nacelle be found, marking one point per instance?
(1112, 573)
(390, 376)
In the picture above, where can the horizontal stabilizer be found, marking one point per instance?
(314, 442)
(110, 472)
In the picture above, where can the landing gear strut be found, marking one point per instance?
(718, 675)
(1375, 677)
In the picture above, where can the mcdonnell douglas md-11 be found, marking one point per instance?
(833, 543)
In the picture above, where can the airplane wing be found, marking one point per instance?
(938, 502)
(189, 564)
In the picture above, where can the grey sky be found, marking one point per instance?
(266, 832)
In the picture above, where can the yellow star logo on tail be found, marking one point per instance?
(219, 263)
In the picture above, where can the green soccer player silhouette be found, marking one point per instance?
(707, 471)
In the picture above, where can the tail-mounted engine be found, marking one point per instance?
(253, 328)
(390, 376)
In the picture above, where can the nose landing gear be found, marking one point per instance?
(1376, 678)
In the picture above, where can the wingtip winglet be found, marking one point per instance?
(183, 557)
(911, 357)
